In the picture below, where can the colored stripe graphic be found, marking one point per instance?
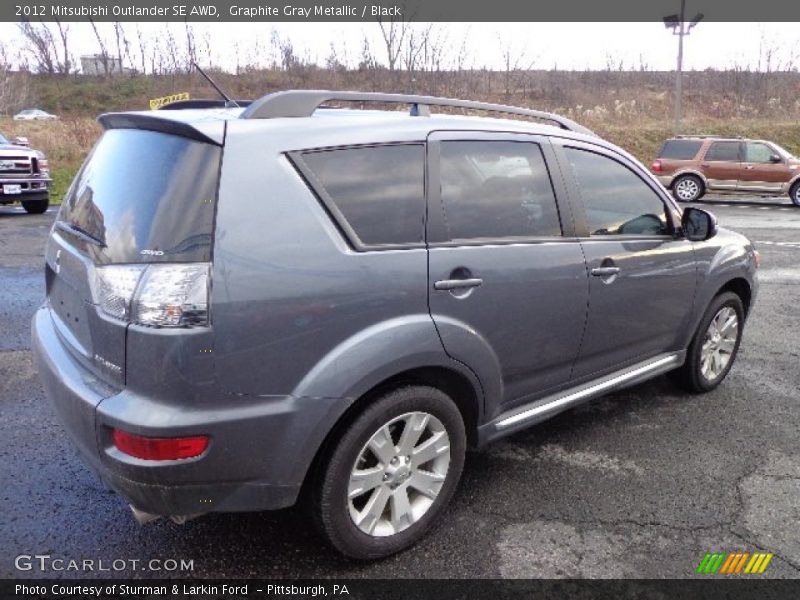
(731, 563)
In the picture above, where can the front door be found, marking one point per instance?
(641, 276)
(763, 169)
(506, 272)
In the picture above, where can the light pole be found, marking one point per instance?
(676, 23)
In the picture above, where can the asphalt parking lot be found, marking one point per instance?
(641, 483)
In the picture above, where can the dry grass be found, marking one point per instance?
(632, 109)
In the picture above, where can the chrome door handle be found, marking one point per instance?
(748, 166)
(605, 271)
(456, 284)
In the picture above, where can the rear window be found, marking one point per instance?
(379, 192)
(145, 196)
(680, 149)
(723, 151)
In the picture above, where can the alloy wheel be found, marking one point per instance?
(719, 343)
(398, 474)
(687, 189)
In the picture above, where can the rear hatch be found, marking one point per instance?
(143, 196)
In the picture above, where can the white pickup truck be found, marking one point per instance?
(24, 176)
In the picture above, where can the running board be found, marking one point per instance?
(544, 408)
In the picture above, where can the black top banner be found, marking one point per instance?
(406, 10)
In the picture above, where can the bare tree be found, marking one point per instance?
(103, 55)
(41, 46)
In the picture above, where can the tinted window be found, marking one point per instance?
(758, 153)
(379, 191)
(497, 190)
(617, 201)
(143, 190)
(680, 149)
(723, 151)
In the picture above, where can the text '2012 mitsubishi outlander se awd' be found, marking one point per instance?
(246, 305)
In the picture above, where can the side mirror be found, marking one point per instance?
(775, 158)
(21, 141)
(698, 225)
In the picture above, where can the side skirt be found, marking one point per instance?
(529, 414)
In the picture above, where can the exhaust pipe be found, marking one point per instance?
(143, 518)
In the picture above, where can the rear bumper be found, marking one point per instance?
(259, 453)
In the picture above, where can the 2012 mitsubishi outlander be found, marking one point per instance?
(247, 304)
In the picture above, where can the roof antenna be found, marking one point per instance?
(228, 101)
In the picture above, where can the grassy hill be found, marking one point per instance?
(631, 108)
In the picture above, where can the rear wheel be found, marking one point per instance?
(391, 474)
(687, 188)
(35, 207)
(794, 193)
(715, 344)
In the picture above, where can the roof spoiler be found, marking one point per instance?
(155, 123)
(303, 103)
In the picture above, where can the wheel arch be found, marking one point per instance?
(465, 393)
(741, 287)
(683, 172)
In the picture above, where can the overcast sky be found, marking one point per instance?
(541, 45)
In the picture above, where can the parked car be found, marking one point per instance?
(34, 114)
(24, 175)
(692, 165)
(247, 304)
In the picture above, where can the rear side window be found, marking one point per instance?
(378, 191)
(680, 149)
(723, 151)
(146, 196)
(497, 189)
(617, 201)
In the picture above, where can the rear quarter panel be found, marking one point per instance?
(295, 310)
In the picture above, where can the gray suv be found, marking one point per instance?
(251, 305)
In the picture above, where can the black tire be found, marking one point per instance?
(330, 502)
(688, 188)
(794, 193)
(35, 207)
(690, 375)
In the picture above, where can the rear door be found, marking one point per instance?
(721, 165)
(504, 263)
(642, 276)
(760, 173)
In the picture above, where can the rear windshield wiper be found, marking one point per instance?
(80, 233)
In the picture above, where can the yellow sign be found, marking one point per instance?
(159, 102)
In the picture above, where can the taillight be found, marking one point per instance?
(148, 448)
(656, 166)
(156, 295)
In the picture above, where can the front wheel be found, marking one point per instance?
(391, 474)
(35, 207)
(687, 188)
(794, 193)
(715, 344)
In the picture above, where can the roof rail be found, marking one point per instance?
(202, 103)
(703, 136)
(303, 103)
